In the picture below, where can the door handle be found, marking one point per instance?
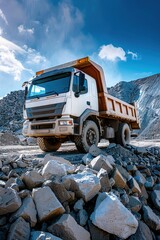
(88, 103)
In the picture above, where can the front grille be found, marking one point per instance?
(45, 111)
(43, 126)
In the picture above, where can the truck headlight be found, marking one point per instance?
(65, 122)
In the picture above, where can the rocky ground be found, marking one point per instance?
(110, 193)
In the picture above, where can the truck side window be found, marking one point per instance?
(75, 83)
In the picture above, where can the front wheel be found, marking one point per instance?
(123, 134)
(89, 136)
(48, 144)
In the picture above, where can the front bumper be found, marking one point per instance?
(45, 128)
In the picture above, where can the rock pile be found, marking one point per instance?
(11, 119)
(11, 111)
(112, 194)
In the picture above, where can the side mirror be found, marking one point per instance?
(26, 91)
(81, 81)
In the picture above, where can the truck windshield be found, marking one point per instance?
(55, 84)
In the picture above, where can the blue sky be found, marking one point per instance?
(121, 35)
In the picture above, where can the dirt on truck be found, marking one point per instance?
(71, 102)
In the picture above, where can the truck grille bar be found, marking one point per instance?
(45, 111)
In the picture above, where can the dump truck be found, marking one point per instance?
(70, 102)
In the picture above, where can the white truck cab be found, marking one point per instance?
(69, 102)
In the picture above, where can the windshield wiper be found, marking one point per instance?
(52, 92)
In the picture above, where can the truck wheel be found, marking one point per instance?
(90, 136)
(123, 135)
(48, 144)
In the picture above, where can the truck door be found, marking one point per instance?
(86, 98)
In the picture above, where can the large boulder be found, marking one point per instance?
(59, 190)
(47, 204)
(120, 181)
(32, 179)
(19, 230)
(101, 161)
(68, 229)
(9, 200)
(150, 218)
(104, 180)
(86, 184)
(111, 216)
(27, 211)
(53, 169)
(69, 167)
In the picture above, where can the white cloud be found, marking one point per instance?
(10, 54)
(9, 64)
(10, 45)
(3, 17)
(133, 55)
(111, 53)
(34, 57)
(22, 30)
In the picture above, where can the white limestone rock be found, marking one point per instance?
(53, 169)
(47, 204)
(101, 161)
(111, 216)
(48, 157)
(69, 167)
(86, 184)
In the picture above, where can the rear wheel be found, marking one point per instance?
(123, 134)
(48, 144)
(89, 136)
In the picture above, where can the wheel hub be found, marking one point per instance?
(91, 137)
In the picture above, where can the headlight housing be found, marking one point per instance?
(65, 123)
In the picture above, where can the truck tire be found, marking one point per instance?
(123, 134)
(89, 136)
(48, 144)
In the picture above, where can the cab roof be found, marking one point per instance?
(87, 66)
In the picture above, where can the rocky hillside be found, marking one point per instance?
(146, 92)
